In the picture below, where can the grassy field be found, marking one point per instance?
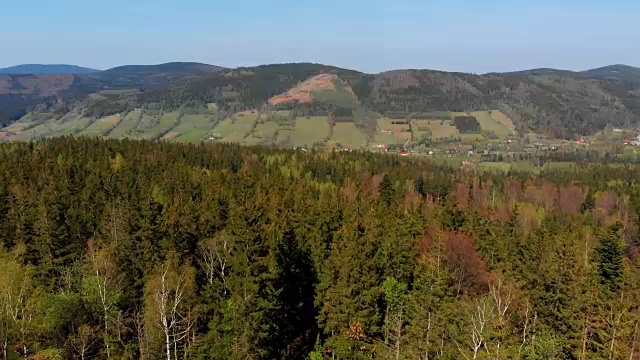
(439, 129)
(488, 123)
(266, 131)
(397, 135)
(284, 137)
(251, 127)
(453, 114)
(388, 124)
(153, 126)
(236, 128)
(18, 127)
(21, 133)
(67, 125)
(28, 121)
(101, 127)
(263, 134)
(389, 139)
(127, 125)
(348, 135)
(500, 117)
(72, 126)
(472, 138)
(308, 131)
(140, 124)
(191, 128)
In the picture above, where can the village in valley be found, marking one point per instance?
(485, 149)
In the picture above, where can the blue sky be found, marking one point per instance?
(456, 35)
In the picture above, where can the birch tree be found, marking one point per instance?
(214, 255)
(103, 286)
(395, 316)
(479, 321)
(20, 300)
(169, 295)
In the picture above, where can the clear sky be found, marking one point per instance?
(374, 35)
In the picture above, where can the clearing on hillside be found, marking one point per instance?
(69, 124)
(302, 91)
(440, 129)
(191, 128)
(500, 117)
(265, 131)
(144, 124)
(472, 138)
(283, 137)
(237, 127)
(154, 126)
(311, 130)
(392, 134)
(348, 135)
(17, 129)
(101, 126)
(127, 125)
(453, 114)
(488, 123)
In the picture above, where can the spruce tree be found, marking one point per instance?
(611, 256)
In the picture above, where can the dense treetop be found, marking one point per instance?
(142, 250)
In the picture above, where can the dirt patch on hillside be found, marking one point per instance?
(5, 135)
(170, 135)
(302, 91)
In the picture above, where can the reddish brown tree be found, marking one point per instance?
(464, 261)
(571, 198)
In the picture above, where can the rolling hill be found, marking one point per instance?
(146, 76)
(167, 68)
(616, 72)
(41, 69)
(553, 102)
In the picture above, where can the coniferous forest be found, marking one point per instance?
(140, 250)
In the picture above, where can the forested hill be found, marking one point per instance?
(552, 104)
(134, 249)
(40, 69)
(556, 103)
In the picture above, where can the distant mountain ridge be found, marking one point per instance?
(47, 69)
(147, 76)
(615, 72)
(554, 102)
(171, 67)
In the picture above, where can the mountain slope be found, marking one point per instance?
(557, 105)
(172, 67)
(147, 76)
(537, 72)
(311, 88)
(611, 72)
(553, 102)
(40, 69)
(617, 72)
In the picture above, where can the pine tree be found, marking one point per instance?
(611, 256)
(387, 191)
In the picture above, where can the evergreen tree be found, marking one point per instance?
(611, 256)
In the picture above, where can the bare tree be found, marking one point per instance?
(106, 282)
(215, 253)
(143, 346)
(83, 340)
(169, 292)
(502, 297)
(479, 321)
(19, 299)
(527, 327)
